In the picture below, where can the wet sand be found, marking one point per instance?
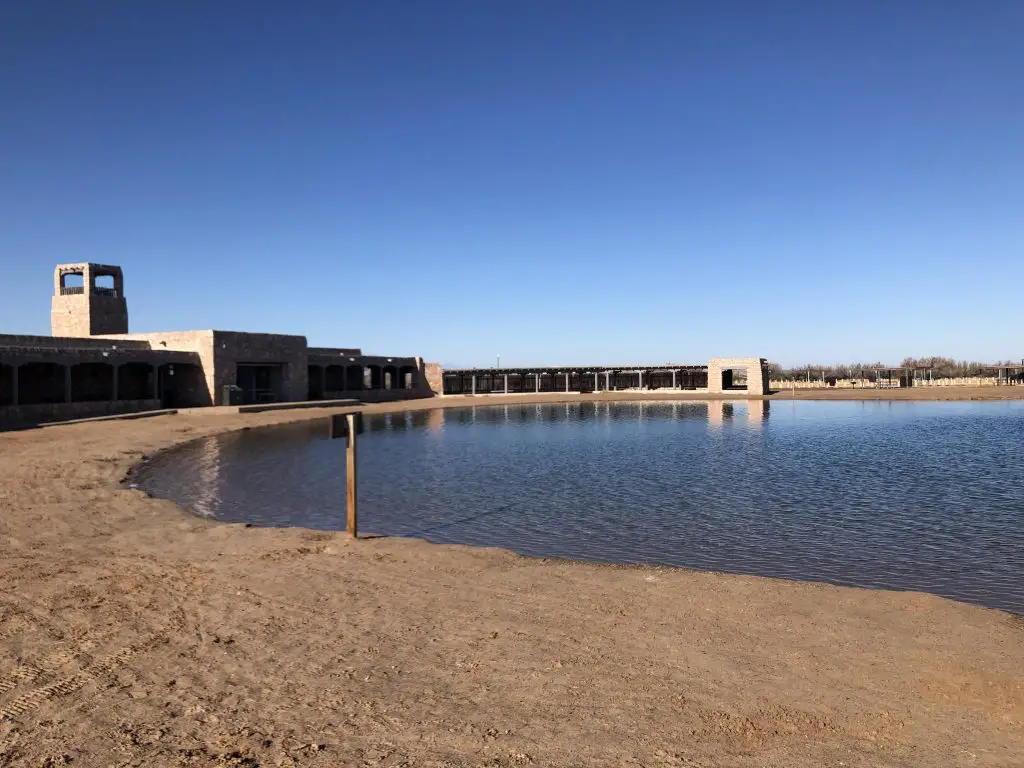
(132, 633)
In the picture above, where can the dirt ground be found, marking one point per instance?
(133, 634)
(910, 393)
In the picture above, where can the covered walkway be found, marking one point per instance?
(479, 381)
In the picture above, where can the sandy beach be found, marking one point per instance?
(134, 634)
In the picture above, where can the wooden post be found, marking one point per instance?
(350, 475)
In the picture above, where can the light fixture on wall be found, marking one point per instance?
(170, 369)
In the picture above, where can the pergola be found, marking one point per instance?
(898, 377)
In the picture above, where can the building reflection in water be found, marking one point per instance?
(208, 477)
(435, 419)
(718, 412)
(722, 411)
(757, 413)
(715, 412)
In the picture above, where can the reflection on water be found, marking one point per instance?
(905, 495)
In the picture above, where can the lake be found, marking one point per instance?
(904, 495)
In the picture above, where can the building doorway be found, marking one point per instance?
(260, 383)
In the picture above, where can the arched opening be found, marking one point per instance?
(354, 378)
(407, 377)
(92, 382)
(376, 377)
(182, 385)
(6, 384)
(390, 377)
(40, 383)
(135, 381)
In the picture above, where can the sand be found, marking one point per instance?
(133, 634)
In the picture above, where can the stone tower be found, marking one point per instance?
(88, 308)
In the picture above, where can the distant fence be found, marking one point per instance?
(965, 381)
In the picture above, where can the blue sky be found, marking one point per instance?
(573, 181)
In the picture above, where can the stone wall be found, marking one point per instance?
(8, 340)
(756, 369)
(231, 348)
(88, 315)
(199, 390)
(29, 415)
(333, 351)
(433, 378)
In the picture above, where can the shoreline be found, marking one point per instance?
(133, 628)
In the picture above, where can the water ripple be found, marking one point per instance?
(926, 496)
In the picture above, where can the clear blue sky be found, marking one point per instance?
(571, 181)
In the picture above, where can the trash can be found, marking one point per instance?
(231, 394)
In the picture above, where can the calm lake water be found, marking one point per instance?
(925, 496)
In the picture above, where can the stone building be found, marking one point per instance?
(91, 365)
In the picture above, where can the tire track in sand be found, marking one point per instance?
(29, 673)
(68, 685)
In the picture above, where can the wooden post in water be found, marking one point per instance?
(350, 475)
(349, 425)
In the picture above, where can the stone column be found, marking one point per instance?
(673, 379)
(506, 383)
(641, 379)
(714, 376)
(566, 382)
(595, 382)
(607, 381)
(474, 383)
(757, 378)
(536, 382)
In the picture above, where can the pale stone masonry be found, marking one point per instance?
(88, 309)
(720, 371)
(92, 365)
